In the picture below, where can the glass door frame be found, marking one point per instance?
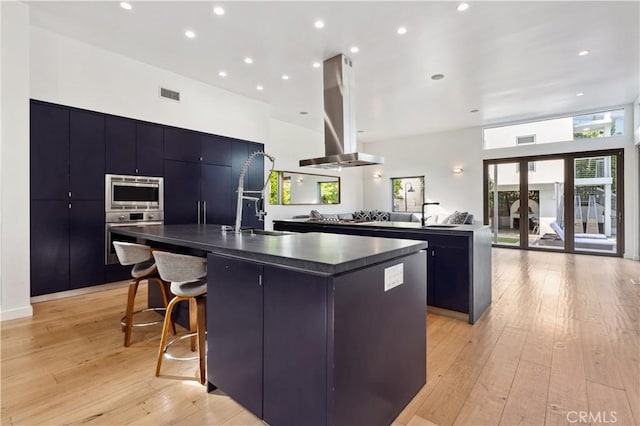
(569, 185)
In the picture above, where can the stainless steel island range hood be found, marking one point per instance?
(339, 119)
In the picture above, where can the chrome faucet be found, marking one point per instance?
(259, 201)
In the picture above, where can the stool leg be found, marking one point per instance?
(165, 299)
(201, 337)
(165, 330)
(193, 321)
(131, 300)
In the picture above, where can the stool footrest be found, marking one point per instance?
(123, 320)
(166, 354)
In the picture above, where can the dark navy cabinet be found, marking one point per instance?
(133, 148)
(216, 189)
(448, 273)
(67, 198)
(181, 144)
(49, 242)
(235, 311)
(49, 162)
(87, 155)
(181, 192)
(216, 150)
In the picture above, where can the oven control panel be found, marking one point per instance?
(132, 217)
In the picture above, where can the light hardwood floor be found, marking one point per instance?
(561, 337)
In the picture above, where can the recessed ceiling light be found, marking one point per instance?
(248, 60)
(285, 77)
(316, 64)
(354, 49)
(401, 30)
(125, 5)
(462, 7)
(190, 34)
(579, 94)
(437, 77)
(318, 24)
(218, 11)
(222, 74)
(303, 113)
(583, 53)
(258, 87)
(474, 110)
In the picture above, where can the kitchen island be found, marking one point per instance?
(314, 329)
(459, 259)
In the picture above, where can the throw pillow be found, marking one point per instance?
(384, 216)
(458, 218)
(362, 216)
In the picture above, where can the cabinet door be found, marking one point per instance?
(216, 150)
(234, 330)
(120, 145)
(181, 144)
(451, 278)
(87, 154)
(86, 243)
(216, 190)
(295, 347)
(181, 192)
(150, 151)
(49, 246)
(49, 152)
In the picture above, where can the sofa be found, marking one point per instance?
(381, 216)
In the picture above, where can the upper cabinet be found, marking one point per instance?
(133, 148)
(87, 155)
(190, 146)
(49, 152)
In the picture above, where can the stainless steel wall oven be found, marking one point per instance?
(131, 201)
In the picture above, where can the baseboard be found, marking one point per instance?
(24, 312)
(79, 291)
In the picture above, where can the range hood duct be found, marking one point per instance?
(339, 119)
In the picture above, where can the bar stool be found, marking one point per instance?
(188, 277)
(144, 268)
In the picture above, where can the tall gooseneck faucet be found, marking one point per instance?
(259, 200)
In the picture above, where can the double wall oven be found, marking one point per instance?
(131, 201)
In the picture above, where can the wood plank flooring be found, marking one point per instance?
(561, 338)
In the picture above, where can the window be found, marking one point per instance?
(407, 194)
(329, 192)
(531, 166)
(585, 126)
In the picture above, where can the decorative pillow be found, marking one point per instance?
(384, 216)
(379, 216)
(458, 218)
(362, 216)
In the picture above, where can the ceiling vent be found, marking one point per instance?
(169, 94)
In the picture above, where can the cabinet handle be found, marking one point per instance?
(69, 194)
(136, 171)
(198, 212)
(69, 205)
(260, 280)
(204, 212)
(433, 253)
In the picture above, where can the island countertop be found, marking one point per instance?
(319, 253)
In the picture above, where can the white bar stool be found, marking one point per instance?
(144, 268)
(188, 277)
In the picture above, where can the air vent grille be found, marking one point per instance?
(169, 94)
(524, 140)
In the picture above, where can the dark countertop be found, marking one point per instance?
(401, 226)
(319, 253)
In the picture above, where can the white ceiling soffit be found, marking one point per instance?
(509, 60)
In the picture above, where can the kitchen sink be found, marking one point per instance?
(441, 226)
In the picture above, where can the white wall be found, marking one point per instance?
(68, 72)
(14, 162)
(432, 156)
(289, 144)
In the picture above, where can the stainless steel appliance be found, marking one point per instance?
(137, 193)
(131, 201)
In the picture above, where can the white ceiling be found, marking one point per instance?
(511, 60)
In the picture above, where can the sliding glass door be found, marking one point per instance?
(572, 203)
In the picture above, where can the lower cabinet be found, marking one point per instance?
(449, 278)
(67, 245)
(262, 320)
